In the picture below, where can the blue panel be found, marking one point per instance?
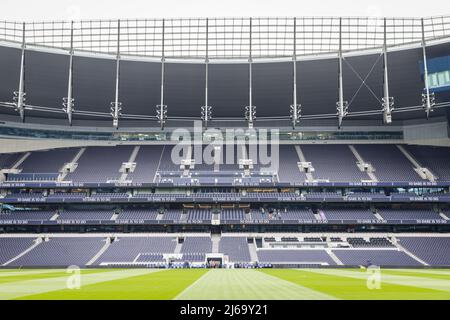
(436, 64)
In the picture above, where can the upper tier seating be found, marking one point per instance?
(167, 163)
(147, 162)
(297, 214)
(139, 214)
(332, 162)
(389, 162)
(335, 163)
(409, 214)
(349, 214)
(7, 160)
(288, 165)
(436, 159)
(234, 215)
(199, 215)
(30, 215)
(47, 161)
(173, 215)
(85, 215)
(227, 158)
(100, 164)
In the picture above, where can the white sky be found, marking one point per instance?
(37, 10)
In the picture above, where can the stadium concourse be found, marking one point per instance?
(240, 158)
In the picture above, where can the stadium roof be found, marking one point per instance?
(226, 38)
(124, 68)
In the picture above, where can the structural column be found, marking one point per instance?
(206, 109)
(342, 106)
(116, 106)
(161, 109)
(250, 110)
(20, 95)
(68, 102)
(428, 99)
(295, 107)
(388, 101)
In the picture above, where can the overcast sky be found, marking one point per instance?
(36, 10)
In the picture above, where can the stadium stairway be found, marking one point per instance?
(178, 248)
(363, 163)
(377, 215)
(320, 215)
(401, 248)
(423, 172)
(215, 239)
(75, 159)
(155, 178)
(188, 159)
(302, 158)
(21, 160)
(215, 219)
(131, 159)
(54, 217)
(444, 216)
(218, 156)
(100, 252)
(36, 243)
(252, 250)
(334, 257)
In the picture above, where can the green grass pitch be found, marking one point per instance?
(225, 284)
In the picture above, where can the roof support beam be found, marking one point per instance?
(206, 109)
(342, 106)
(68, 102)
(428, 99)
(250, 110)
(161, 109)
(296, 109)
(116, 106)
(388, 101)
(20, 95)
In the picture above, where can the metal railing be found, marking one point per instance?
(226, 38)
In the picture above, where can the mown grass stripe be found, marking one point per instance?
(333, 282)
(18, 289)
(246, 284)
(438, 276)
(32, 276)
(150, 285)
(408, 284)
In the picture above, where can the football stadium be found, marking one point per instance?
(291, 158)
